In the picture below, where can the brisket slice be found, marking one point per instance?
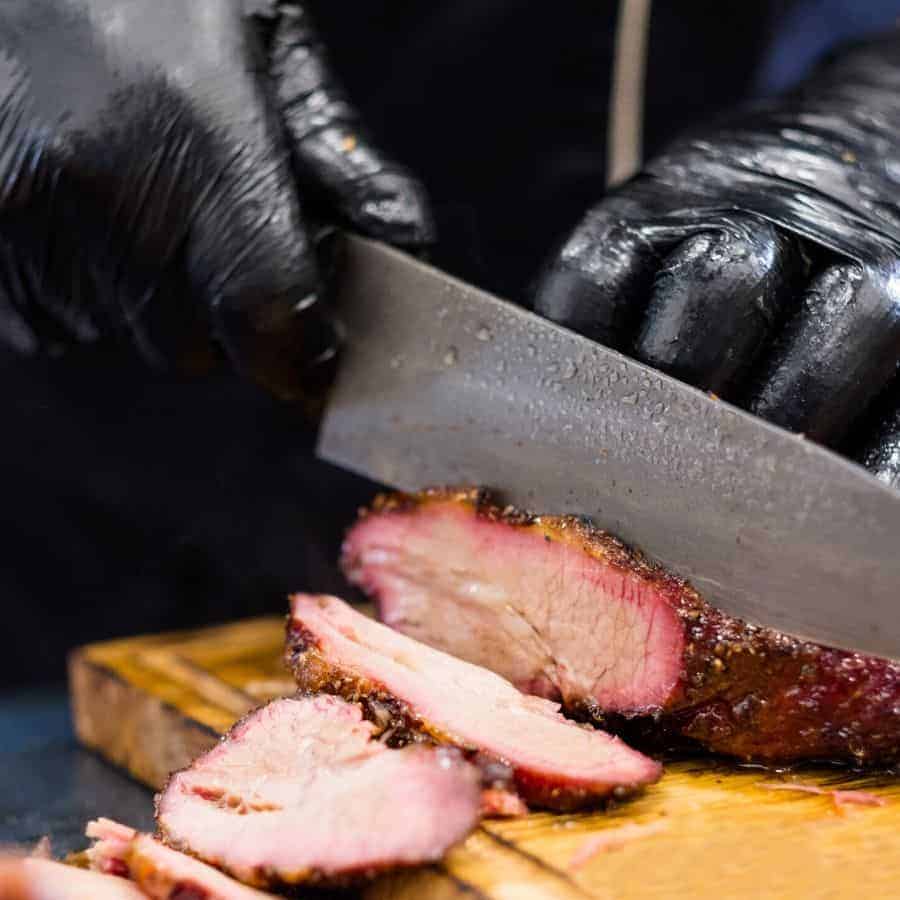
(416, 691)
(160, 872)
(43, 879)
(567, 611)
(299, 791)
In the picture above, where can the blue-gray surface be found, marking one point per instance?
(49, 785)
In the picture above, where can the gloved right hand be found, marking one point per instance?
(759, 257)
(148, 154)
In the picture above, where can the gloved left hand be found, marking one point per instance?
(153, 159)
(759, 258)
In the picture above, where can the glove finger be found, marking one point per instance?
(835, 354)
(715, 301)
(332, 150)
(264, 292)
(249, 257)
(879, 452)
(598, 284)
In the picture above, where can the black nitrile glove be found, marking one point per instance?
(151, 154)
(760, 259)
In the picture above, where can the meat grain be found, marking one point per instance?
(416, 691)
(567, 611)
(299, 791)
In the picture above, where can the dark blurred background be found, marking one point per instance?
(134, 501)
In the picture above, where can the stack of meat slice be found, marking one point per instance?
(43, 879)
(416, 693)
(297, 792)
(568, 612)
(160, 872)
(390, 757)
(302, 791)
(123, 865)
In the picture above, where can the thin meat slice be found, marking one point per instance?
(420, 691)
(299, 791)
(43, 879)
(160, 872)
(567, 611)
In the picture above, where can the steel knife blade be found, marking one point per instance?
(442, 383)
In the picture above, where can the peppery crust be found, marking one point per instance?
(744, 690)
(398, 725)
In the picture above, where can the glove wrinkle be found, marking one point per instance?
(739, 267)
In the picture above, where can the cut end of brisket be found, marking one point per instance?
(567, 611)
(299, 791)
(416, 690)
(483, 583)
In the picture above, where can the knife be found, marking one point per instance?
(442, 383)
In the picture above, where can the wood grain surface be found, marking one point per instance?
(707, 830)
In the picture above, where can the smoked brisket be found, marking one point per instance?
(567, 611)
(419, 693)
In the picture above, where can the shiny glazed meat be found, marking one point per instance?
(418, 691)
(299, 791)
(567, 611)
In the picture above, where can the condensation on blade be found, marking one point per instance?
(441, 383)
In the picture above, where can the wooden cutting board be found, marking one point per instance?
(151, 704)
